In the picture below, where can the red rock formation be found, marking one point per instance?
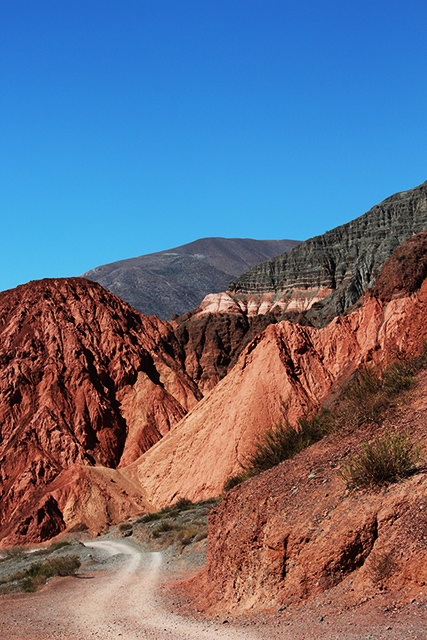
(296, 531)
(405, 270)
(286, 364)
(84, 379)
(212, 342)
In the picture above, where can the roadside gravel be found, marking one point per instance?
(121, 601)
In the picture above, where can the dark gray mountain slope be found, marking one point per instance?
(176, 281)
(347, 259)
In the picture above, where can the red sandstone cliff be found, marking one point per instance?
(296, 531)
(84, 380)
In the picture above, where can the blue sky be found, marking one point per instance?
(135, 126)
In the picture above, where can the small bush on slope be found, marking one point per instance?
(389, 458)
(368, 395)
(284, 441)
(365, 398)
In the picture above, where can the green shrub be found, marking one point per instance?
(284, 441)
(186, 536)
(369, 393)
(66, 566)
(387, 459)
(39, 572)
(58, 545)
(184, 504)
(235, 480)
(165, 526)
(149, 517)
(362, 399)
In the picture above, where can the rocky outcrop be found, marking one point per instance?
(212, 342)
(327, 274)
(84, 379)
(287, 365)
(405, 270)
(175, 281)
(296, 531)
(89, 386)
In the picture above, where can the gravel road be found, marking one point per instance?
(120, 602)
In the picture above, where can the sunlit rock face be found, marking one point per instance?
(342, 263)
(84, 379)
(287, 368)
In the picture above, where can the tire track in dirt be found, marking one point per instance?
(123, 602)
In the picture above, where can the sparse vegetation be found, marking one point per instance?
(166, 525)
(369, 394)
(149, 517)
(388, 458)
(235, 480)
(38, 573)
(366, 398)
(181, 523)
(183, 504)
(284, 441)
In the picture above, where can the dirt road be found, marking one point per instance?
(120, 599)
(121, 602)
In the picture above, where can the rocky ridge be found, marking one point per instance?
(327, 274)
(287, 365)
(89, 386)
(296, 531)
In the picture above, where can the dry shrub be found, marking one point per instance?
(388, 458)
(284, 441)
(370, 392)
(39, 572)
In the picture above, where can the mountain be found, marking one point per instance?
(101, 408)
(327, 274)
(297, 531)
(175, 281)
(287, 365)
(85, 381)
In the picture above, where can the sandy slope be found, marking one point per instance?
(121, 602)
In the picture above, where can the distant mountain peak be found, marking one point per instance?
(176, 280)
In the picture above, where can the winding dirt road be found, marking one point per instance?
(121, 602)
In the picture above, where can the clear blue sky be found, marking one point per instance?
(133, 126)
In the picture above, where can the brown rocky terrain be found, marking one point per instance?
(216, 332)
(175, 281)
(212, 342)
(297, 531)
(287, 365)
(90, 386)
(100, 420)
(85, 380)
